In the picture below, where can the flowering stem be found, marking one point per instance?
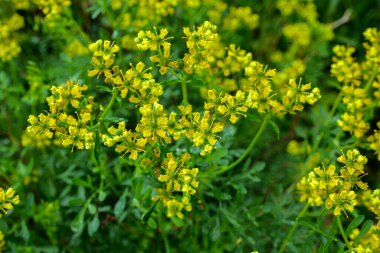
(248, 150)
(334, 107)
(184, 90)
(164, 236)
(105, 112)
(370, 80)
(293, 229)
(321, 135)
(342, 232)
(113, 98)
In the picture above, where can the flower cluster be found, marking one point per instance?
(200, 43)
(335, 188)
(146, 40)
(357, 79)
(236, 60)
(67, 130)
(9, 42)
(304, 32)
(8, 198)
(369, 243)
(103, 58)
(238, 17)
(134, 16)
(176, 177)
(52, 8)
(298, 148)
(149, 139)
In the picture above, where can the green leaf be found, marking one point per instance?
(218, 194)
(170, 82)
(95, 151)
(77, 224)
(275, 128)
(218, 154)
(91, 208)
(306, 222)
(94, 225)
(152, 223)
(119, 207)
(259, 166)
(120, 204)
(231, 218)
(102, 196)
(76, 202)
(177, 221)
(364, 229)
(103, 88)
(24, 231)
(80, 182)
(147, 215)
(138, 187)
(354, 224)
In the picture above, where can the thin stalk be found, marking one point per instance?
(174, 74)
(113, 98)
(335, 106)
(370, 80)
(105, 112)
(248, 150)
(164, 237)
(184, 91)
(293, 229)
(109, 15)
(342, 232)
(320, 137)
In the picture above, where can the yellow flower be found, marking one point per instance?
(153, 124)
(126, 140)
(344, 67)
(341, 201)
(42, 125)
(203, 131)
(324, 180)
(354, 124)
(353, 169)
(308, 193)
(8, 198)
(177, 177)
(199, 42)
(296, 149)
(240, 17)
(176, 207)
(353, 161)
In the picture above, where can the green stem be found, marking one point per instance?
(335, 106)
(164, 237)
(293, 229)
(113, 98)
(370, 80)
(171, 71)
(342, 232)
(105, 112)
(109, 15)
(184, 91)
(248, 150)
(320, 136)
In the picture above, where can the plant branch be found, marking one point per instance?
(293, 229)
(264, 123)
